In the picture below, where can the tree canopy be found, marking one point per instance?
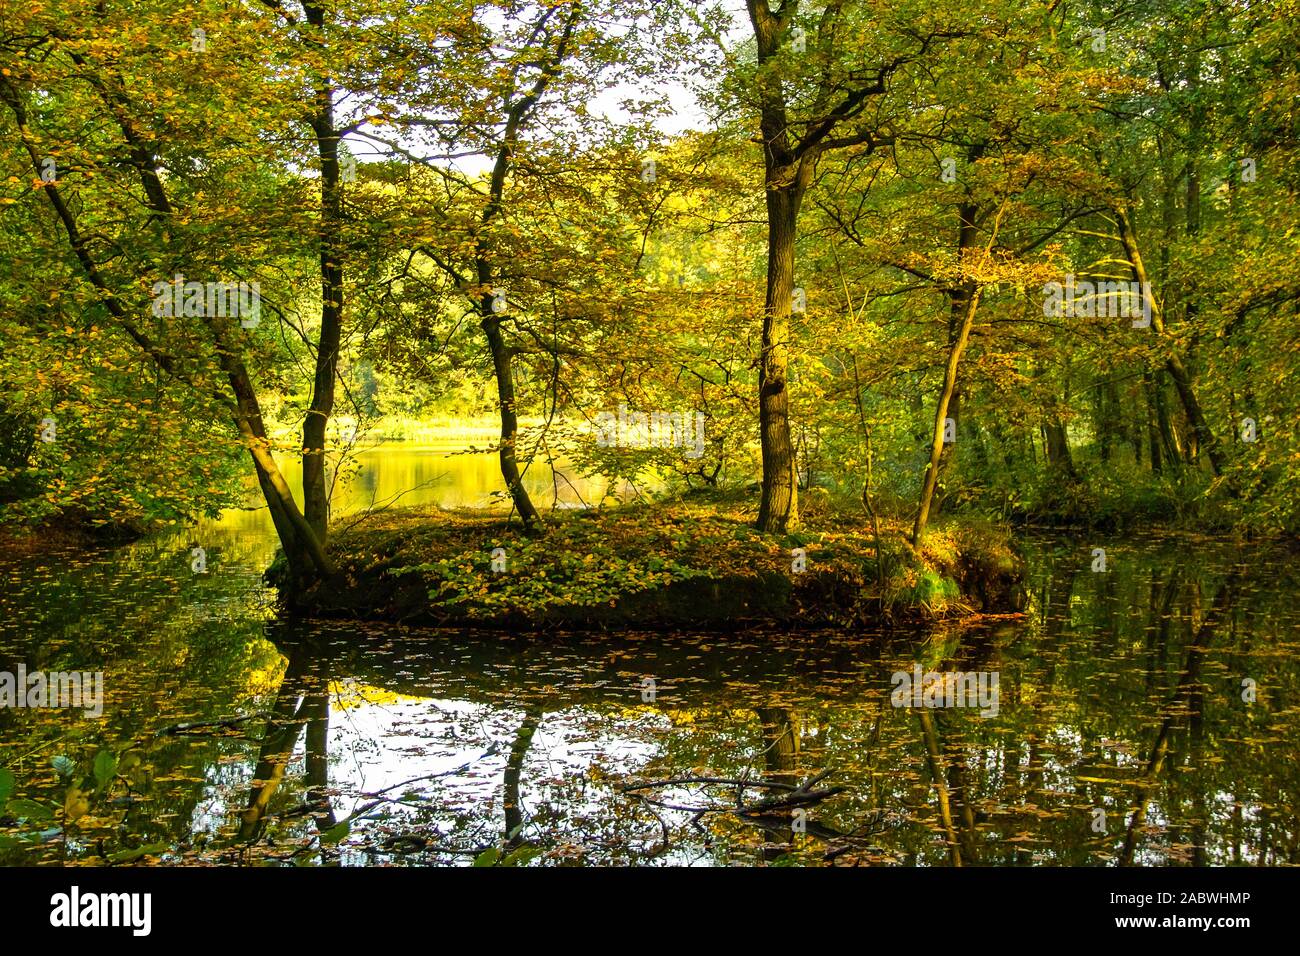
(1017, 258)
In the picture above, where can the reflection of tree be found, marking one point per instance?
(1084, 692)
(510, 798)
(301, 701)
(998, 790)
(316, 710)
(951, 792)
(1186, 699)
(781, 748)
(1164, 596)
(781, 740)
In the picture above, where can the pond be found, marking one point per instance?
(1147, 714)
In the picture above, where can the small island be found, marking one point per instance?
(684, 564)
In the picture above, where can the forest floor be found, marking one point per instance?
(666, 565)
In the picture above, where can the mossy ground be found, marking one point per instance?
(669, 564)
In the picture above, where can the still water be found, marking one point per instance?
(1147, 715)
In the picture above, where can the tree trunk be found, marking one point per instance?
(941, 414)
(1173, 361)
(957, 296)
(490, 322)
(1103, 426)
(1169, 434)
(786, 176)
(1154, 437)
(779, 507)
(1058, 448)
(303, 550)
(315, 490)
(948, 454)
(788, 161)
(501, 364)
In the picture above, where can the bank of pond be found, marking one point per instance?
(656, 568)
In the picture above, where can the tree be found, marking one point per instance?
(808, 106)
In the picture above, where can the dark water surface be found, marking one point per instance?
(1148, 714)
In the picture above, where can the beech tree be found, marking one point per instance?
(819, 83)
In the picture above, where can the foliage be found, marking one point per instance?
(983, 150)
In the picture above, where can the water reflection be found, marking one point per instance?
(1126, 731)
(442, 475)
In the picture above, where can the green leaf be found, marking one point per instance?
(30, 809)
(521, 856)
(105, 768)
(488, 857)
(63, 766)
(7, 782)
(126, 856)
(336, 832)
